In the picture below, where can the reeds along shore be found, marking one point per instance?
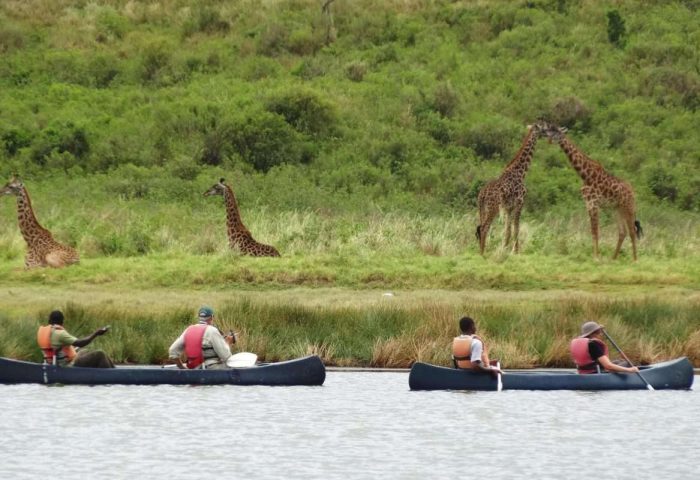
(523, 333)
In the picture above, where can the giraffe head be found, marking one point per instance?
(554, 133)
(13, 187)
(539, 128)
(216, 189)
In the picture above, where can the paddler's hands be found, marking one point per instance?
(102, 331)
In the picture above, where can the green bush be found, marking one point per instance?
(304, 110)
(616, 28)
(265, 140)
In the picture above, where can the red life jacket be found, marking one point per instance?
(579, 351)
(193, 345)
(53, 355)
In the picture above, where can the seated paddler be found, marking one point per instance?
(59, 346)
(590, 352)
(203, 344)
(469, 351)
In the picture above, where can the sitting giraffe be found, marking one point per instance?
(42, 249)
(507, 192)
(238, 235)
(601, 190)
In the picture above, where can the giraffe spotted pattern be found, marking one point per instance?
(42, 249)
(507, 193)
(601, 190)
(239, 237)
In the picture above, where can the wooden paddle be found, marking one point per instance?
(499, 386)
(649, 387)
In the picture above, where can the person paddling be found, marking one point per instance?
(58, 346)
(590, 352)
(203, 343)
(469, 351)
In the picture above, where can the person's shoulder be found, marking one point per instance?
(64, 335)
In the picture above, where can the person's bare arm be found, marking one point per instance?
(611, 367)
(81, 342)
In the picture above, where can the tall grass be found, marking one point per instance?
(527, 332)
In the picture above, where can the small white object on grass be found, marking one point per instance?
(387, 294)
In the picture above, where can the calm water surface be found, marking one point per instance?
(358, 425)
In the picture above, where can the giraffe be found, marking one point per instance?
(601, 190)
(42, 249)
(238, 235)
(507, 192)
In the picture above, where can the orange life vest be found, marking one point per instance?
(53, 355)
(462, 350)
(582, 357)
(193, 345)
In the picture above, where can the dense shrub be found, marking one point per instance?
(616, 28)
(265, 140)
(205, 20)
(662, 184)
(304, 110)
(155, 62)
(11, 38)
(489, 137)
(60, 138)
(15, 139)
(570, 112)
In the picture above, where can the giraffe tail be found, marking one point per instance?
(638, 229)
(478, 232)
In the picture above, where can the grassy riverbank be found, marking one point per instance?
(349, 328)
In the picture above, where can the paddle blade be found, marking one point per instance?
(241, 360)
(499, 385)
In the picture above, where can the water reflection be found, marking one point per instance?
(359, 425)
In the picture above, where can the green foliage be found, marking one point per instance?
(616, 28)
(306, 111)
(523, 331)
(409, 106)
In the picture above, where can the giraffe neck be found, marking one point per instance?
(233, 216)
(28, 224)
(586, 168)
(521, 161)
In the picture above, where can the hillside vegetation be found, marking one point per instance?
(356, 137)
(397, 104)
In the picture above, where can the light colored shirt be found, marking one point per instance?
(212, 339)
(61, 338)
(477, 349)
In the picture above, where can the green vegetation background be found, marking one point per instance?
(356, 139)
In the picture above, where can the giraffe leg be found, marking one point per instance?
(506, 229)
(593, 215)
(485, 224)
(516, 230)
(32, 260)
(55, 260)
(621, 234)
(633, 235)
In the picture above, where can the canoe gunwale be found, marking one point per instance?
(673, 374)
(301, 371)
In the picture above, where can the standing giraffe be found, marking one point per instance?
(507, 192)
(601, 190)
(238, 235)
(42, 249)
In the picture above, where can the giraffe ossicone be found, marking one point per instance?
(507, 192)
(239, 237)
(42, 249)
(601, 190)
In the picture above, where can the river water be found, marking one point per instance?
(360, 425)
